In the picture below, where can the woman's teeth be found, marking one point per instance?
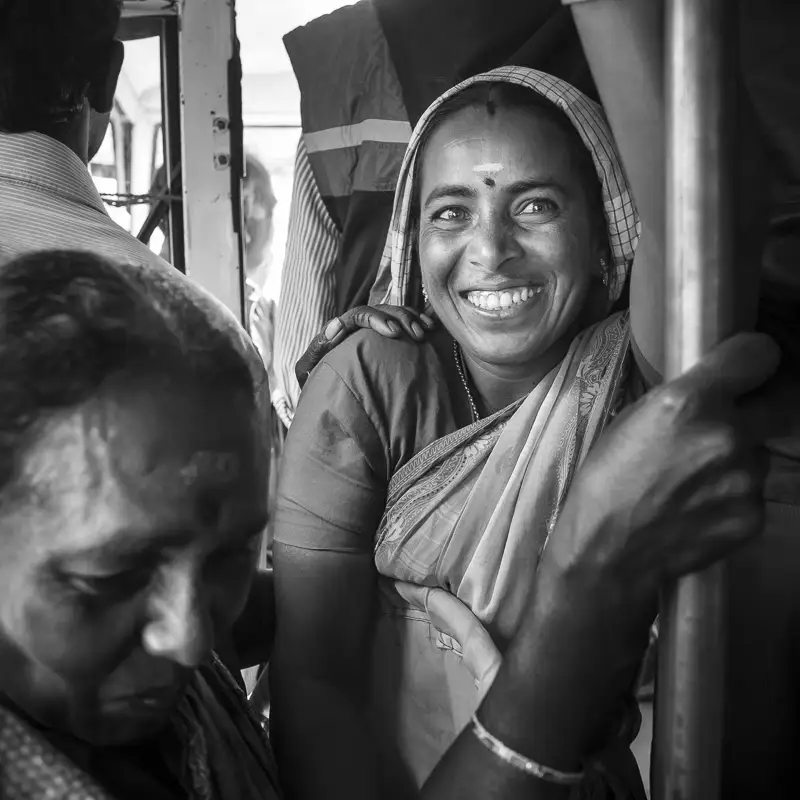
(506, 299)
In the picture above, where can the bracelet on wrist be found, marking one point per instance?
(520, 762)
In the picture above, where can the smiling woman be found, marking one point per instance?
(439, 469)
(514, 266)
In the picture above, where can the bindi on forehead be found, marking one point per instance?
(488, 171)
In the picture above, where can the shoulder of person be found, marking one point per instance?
(368, 356)
(400, 385)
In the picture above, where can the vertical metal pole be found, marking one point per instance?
(171, 137)
(700, 312)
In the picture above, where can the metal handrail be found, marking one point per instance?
(700, 312)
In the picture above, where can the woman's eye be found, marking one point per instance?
(539, 206)
(107, 586)
(450, 214)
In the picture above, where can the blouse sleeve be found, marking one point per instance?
(333, 483)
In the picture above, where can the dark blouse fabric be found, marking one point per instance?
(367, 409)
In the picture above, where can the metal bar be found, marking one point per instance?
(171, 137)
(700, 312)
(212, 248)
(147, 8)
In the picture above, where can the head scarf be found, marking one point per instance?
(394, 275)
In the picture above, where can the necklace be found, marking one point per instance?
(462, 373)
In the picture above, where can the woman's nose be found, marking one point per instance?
(179, 626)
(492, 244)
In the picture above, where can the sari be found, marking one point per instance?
(468, 517)
(223, 752)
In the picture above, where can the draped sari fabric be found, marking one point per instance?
(472, 512)
(467, 518)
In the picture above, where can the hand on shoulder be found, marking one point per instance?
(390, 321)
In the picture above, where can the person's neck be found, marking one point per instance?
(499, 385)
(71, 136)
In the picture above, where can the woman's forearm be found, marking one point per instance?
(254, 630)
(623, 42)
(624, 45)
(321, 741)
(468, 771)
(567, 674)
(561, 685)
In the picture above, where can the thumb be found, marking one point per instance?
(735, 367)
(316, 351)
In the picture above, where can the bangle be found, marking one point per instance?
(520, 762)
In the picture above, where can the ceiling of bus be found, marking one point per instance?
(270, 91)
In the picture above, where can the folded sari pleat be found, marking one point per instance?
(470, 515)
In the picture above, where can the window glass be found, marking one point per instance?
(124, 169)
(271, 102)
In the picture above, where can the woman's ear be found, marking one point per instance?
(104, 85)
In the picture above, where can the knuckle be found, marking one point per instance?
(750, 517)
(722, 441)
(713, 446)
(678, 402)
(741, 483)
(355, 317)
(358, 318)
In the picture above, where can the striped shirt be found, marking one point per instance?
(49, 201)
(308, 289)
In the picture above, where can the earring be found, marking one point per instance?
(425, 296)
(604, 271)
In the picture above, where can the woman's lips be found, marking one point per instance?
(152, 702)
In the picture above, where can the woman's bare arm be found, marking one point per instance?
(319, 675)
(254, 631)
(624, 44)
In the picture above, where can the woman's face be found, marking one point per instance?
(508, 245)
(135, 547)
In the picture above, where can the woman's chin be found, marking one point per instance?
(118, 725)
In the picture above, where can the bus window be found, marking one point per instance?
(271, 106)
(109, 168)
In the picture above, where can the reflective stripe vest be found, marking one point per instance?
(366, 73)
(356, 130)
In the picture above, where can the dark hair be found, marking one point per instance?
(71, 322)
(50, 51)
